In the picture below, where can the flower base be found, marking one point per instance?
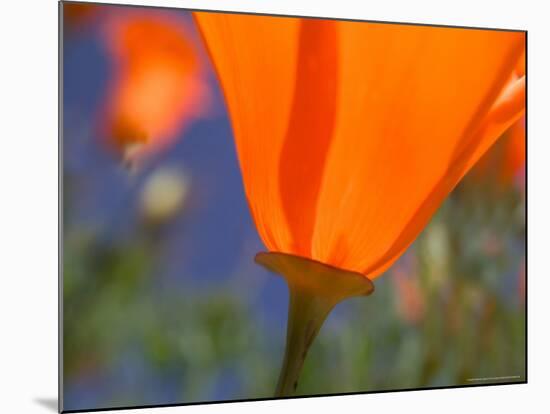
(315, 288)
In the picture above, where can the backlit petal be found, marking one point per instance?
(413, 116)
(310, 129)
(255, 58)
(350, 135)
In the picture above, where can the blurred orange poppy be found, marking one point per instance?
(350, 135)
(76, 15)
(504, 164)
(410, 301)
(515, 152)
(159, 83)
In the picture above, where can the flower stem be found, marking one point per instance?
(306, 314)
(315, 288)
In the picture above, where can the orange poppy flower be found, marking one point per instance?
(349, 136)
(158, 85)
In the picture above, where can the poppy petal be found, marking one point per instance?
(412, 103)
(310, 129)
(493, 127)
(255, 58)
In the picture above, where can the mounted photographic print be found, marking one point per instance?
(259, 206)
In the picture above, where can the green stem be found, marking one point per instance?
(306, 314)
(315, 288)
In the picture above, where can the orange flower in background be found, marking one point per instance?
(159, 85)
(410, 301)
(350, 135)
(76, 15)
(515, 151)
(504, 164)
